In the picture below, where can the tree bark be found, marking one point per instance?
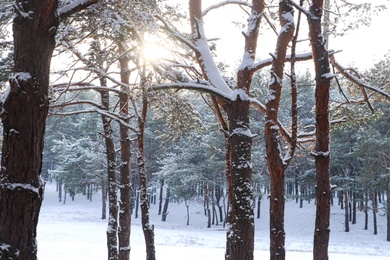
(374, 209)
(112, 229)
(147, 227)
(321, 153)
(104, 198)
(160, 197)
(165, 212)
(24, 110)
(125, 185)
(365, 210)
(275, 162)
(388, 209)
(240, 235)
(346, 220)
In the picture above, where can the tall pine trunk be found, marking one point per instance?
(147, 227)
(125, 185)
(240, 235)
(25, 106)
(165, 212)
(321, 153)
(275, 162)
(374, 210)
(112, 228)
(346, 219)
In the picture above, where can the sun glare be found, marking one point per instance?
(152, 51)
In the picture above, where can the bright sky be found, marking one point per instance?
(360, 48)
(367, 45)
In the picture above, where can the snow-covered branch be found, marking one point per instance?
(197, 87)
(74, 7)
(223, 3)
(73, 103)
(82, 87)
(106, 113)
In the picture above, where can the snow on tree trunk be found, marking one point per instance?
(112, 228)
(147, 227)
(125, 149)
(321, 153)
(240, 233)
(275, 162)
(25, 106)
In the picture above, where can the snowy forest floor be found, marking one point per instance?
(76, 231)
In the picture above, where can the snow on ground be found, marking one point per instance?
(75, 231)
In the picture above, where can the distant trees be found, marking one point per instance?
(108, 55)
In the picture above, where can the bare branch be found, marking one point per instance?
(343, 71)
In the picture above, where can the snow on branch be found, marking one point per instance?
(298, 57)
(198, 87)
(103, 112)
(74, 7)
(78, 102)
(223, 3)
(210, 69)
(83, 87)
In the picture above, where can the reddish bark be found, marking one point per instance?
(147, 227)
(240, 234)
(125, 149)
(112, 229)
(321, 154)
(275, 162)
(24, 113)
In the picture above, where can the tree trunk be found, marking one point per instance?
(388, 209)
(240, 235)
(125, 185)
(160, 197)
(321, 153)
(165, 212)
(366, 210)
(24, 110)
(346, 222)
(136, 203)
(206, 203)
(374, 209)
(275, 162)
(112, 229)
(104, 198)
(188, 212)
(258, 206)
(147, 228)
(59, 186)
(296, 182)
(354, 194)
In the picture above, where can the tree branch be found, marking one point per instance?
(74, 7)
(343, 71)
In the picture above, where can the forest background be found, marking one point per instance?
(112, 98)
